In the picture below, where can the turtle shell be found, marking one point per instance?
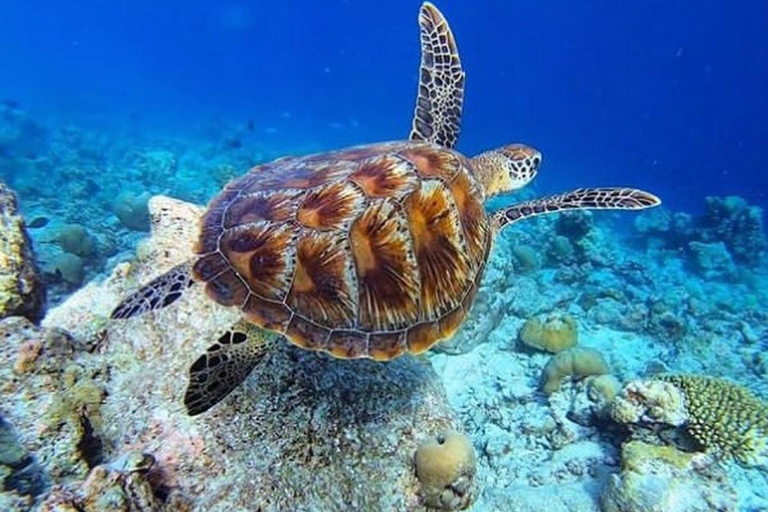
(371, 251)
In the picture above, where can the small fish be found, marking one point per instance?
(234, 143)
(10, 103)
(251, 125)
(38, 222)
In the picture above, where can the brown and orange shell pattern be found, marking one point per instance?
(372, 251)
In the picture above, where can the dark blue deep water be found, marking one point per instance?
(668, 95)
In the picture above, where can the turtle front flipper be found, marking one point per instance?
(224, 366)
(611, 198)
(158, 293)
(437, 115)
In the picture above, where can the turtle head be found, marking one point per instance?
(507, 168)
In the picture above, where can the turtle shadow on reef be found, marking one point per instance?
(343, 400)
(317, 430)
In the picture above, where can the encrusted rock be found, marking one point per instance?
(21, 289)
(305, 431)
(650, 401)
(122, 486)
(661, 479)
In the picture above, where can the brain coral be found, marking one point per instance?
(725, 417)
(445, 467)
(574, 362)
(554, 334)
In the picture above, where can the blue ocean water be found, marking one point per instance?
(105, 104)
(664, 94)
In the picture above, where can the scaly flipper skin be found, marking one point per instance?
(437, 115)
(158, 293)
(223, 367)
(613, 198)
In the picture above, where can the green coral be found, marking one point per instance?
(554, 334)
(75, 239)
(68, 267)
(133, 210)
(725, 417)
(526, 257)
(77, 405)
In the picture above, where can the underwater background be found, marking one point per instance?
(104, 105)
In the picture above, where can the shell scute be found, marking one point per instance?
(385, 176)
(386, 346)
(438, 243)
(348, 344)
(330, 207)
(228, 289)
(323, 288)
(268, 314)
(307, 334)
(469, 205)
(386, 268)
(432, 161)
(263, 253)
(276, 206)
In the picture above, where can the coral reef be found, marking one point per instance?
(75, 239)
(661, 478)
(650, 402)
(721, 417)
(729, 221)
(21, 288)
(66, 266)
(132, 210)
(725, 418)
(445, 467)
(21, 137)
(305, 431)
(574, 225)
(573, 362)
(676, 294)
(124, 485)
(526, 258)
(737, 224)
(553, 334)
(713, 260)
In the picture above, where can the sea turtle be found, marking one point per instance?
(368, 252)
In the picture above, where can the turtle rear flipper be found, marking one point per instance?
(608, 198)
(158, 293)
(223, 367)
(437, 116)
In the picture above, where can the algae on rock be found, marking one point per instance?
(21, 288)
(305, 431)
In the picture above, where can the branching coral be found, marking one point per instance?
(725, 417)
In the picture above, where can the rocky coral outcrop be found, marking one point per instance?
(729, 229)
(661, 478)
(21, 289)
(719, 416)
(737, 224)
(305, 432)
(445, 467)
